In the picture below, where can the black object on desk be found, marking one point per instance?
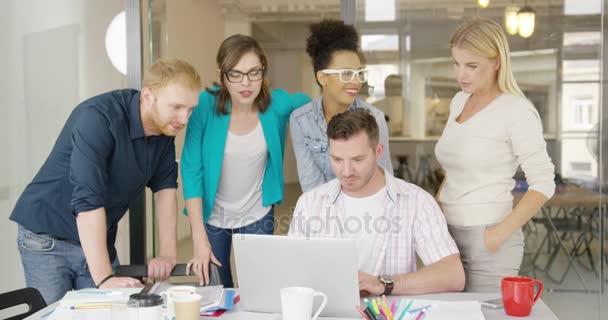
(140, 271)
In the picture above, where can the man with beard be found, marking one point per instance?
(390, 220)
(111, 147)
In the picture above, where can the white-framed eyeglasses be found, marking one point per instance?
(348, 75)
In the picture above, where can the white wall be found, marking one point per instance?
(236, 26)
(35, 111)
(4, 23)
(10, 274)
(195, 30)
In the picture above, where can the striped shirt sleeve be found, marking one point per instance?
(432, 240)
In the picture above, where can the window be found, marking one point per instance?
(580, 7)
(581, 167)
(380, 10)
(582, 107)
(380, 42)
(378, 73)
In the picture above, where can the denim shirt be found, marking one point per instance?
(311, 145)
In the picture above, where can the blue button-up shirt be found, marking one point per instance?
(311, 145)
(100, 159)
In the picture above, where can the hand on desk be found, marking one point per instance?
(200, 263)
(121, 282)
(369, 284)
(160, 267)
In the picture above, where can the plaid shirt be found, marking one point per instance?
(411, 221)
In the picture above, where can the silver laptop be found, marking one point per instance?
(265, 264)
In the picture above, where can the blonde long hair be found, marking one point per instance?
(484, 37)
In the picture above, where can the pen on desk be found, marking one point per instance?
(393, 306)
(100, 292)
(369, 313)
(369, 305)
(385, 302)
(421, 315)
(385, 308)
(407, 307)
(379, 311)
(375, 304)
(362, 313)
(397, 307)
(423, 308)
(381, 307)
(96, 306)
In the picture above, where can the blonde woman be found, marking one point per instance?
(492, 129)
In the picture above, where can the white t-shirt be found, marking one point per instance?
(362, 224)
(480, 157)
(238, 201)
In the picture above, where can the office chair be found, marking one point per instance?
(29, 296)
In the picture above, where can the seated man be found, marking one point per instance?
(391, 220)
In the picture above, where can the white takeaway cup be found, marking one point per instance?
(170, 293)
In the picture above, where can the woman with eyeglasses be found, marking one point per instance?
(337, 63)
(232, 161)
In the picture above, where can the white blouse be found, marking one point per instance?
(238, 201)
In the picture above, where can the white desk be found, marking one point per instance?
(539, 312)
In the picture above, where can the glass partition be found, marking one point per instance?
(559, 68)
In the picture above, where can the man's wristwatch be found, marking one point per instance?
(388, 282)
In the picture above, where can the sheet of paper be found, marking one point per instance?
(211, 296)
(89, 314)
(448, 310)
(96, 296)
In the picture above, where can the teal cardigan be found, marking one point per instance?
(203, 153)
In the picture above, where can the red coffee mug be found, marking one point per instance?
(518, 295)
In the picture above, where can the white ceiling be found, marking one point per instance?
(278, 10)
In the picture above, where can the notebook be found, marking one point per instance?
(88, 297)
(211, 296)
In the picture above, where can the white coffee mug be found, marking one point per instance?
(297, 302)
(170, 293)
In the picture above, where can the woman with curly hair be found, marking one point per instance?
(337, 63)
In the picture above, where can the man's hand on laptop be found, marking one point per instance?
(369, 284)
(200, 263)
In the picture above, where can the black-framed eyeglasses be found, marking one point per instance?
(253, 75)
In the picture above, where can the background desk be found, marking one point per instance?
(539, 312)
(571, 219)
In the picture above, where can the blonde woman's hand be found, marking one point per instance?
(494, 239)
